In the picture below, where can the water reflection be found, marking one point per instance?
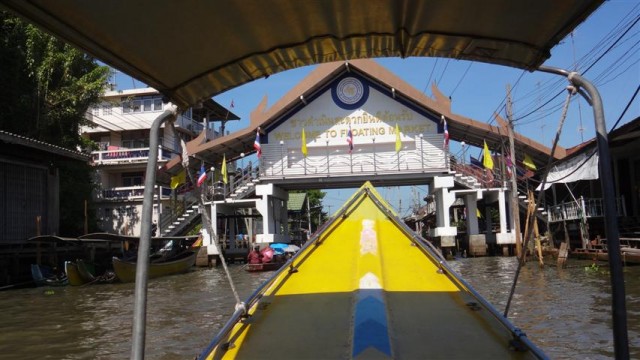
(565, 312)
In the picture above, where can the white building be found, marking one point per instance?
(122, 123)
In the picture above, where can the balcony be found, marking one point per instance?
(125, 155)
(189, 124)
(130, 193)
(591, 207)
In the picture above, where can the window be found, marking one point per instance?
(157, 104)
(132, 179)
(136, 106)
(142, 104)
(126, 106)
(95, 111)
(106, 109)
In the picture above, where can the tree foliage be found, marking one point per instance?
(315, 204)
(47, 88)
(47, 85)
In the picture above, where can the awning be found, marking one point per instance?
(191, 50)
(581, 167)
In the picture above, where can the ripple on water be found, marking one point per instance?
(565, 312)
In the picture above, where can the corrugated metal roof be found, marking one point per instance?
(10, 138)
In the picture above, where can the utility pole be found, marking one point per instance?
(515, 209)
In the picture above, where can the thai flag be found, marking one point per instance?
(446, 132)
(509, 165)
(203, 175)
(350, 140)
(256, 144)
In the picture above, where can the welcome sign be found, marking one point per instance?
(352, 104)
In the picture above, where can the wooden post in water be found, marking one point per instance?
(515, 209)
(536, 233)
(562, 255)
(38, 248)
(86, 220)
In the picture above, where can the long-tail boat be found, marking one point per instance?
(366, 286)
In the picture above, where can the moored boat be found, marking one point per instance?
(367, 286)
(46, 276)
(269, 266)
(71, 269)
(126, 270)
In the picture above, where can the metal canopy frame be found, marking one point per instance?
(191, 50)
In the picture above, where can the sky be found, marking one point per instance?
(605, 49)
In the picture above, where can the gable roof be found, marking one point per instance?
(461, 128)
(219, 45)
(296, 201)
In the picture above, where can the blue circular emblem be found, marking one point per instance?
(350, 93)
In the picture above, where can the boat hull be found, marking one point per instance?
(367, 287)
(263, 267)
(126, 270)
(71, 269)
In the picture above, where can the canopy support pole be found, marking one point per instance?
(618, 305)
(142, 265)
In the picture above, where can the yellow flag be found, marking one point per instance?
(224, 169)
(487, 161)
(528, 162)
(180, 178)
(304, 143)
(478, 213)
(398, 141)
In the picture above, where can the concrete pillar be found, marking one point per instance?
(504, 236)
(208, 240)
(272, 205)
(444, 199)
(477, 241)
(471, 205)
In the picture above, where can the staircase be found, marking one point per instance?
(474, 177)
(240, 188)
(181, 224)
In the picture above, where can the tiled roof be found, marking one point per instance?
(296, 201)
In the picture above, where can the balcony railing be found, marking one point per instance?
(130, 193)
(421, 155)
(189, 124)
(591, 207)
(124, 155)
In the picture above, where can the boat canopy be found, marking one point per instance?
(192, 50)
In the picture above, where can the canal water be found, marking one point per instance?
(566, 312)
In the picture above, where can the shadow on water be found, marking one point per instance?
(565, 311)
